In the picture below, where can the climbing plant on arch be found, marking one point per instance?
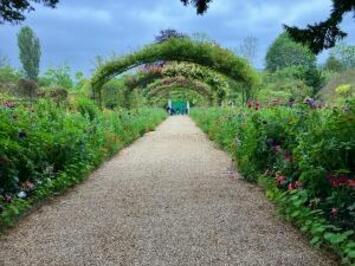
(168, 84)
(182, 50)
(218, 85)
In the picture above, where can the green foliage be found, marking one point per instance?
(345, 54)
(45, 148)
(329, 94)
(210, 84)
(304, 159)
(9, 74)
(30, 52)
(333, 64)
(182, 50)
(294, 82)
(26, 88)
(60, 77)
(345, 90)
(284, 52)
(168, 84)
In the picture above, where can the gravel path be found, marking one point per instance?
(171, 198)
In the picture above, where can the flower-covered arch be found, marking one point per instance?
(181, 50)
(169, 84)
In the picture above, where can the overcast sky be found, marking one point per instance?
(77, 31)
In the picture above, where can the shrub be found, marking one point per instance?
(26, 88)
(45, 147)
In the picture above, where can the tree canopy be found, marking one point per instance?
(284, 52)
(14, 10)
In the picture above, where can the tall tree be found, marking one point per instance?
(248, 48)
(30, 52)
(284, 52)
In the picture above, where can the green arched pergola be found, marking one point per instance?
(180, 50)
(169, 84)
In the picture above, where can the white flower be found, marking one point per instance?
(22, 195)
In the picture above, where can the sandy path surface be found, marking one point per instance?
(171, 198)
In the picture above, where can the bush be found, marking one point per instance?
(26, 88)
(44, 148)
(303, 156)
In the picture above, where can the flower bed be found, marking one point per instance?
(304, 157)
(46, 148)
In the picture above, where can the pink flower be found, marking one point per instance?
(334, 212)
(280, 179)
(277, 148)
(291, 186)
(298, 184)
(8, 198)
(9, 104)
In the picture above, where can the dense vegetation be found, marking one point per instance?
(304, 157)
(45, 148)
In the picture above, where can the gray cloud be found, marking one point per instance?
(77, 31)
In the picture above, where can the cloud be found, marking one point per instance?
(77, 31)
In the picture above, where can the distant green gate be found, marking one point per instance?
(179, 107)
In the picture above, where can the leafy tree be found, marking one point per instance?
(60, 77)
(167, 34)
(9, 74)
(333, 64)
(30, 52)
(13, 10)
(284, 52)
(345, 54)
(295, 59)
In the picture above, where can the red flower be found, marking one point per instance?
(351, 183)
(337, 181)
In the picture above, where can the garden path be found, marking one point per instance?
(171, 198)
